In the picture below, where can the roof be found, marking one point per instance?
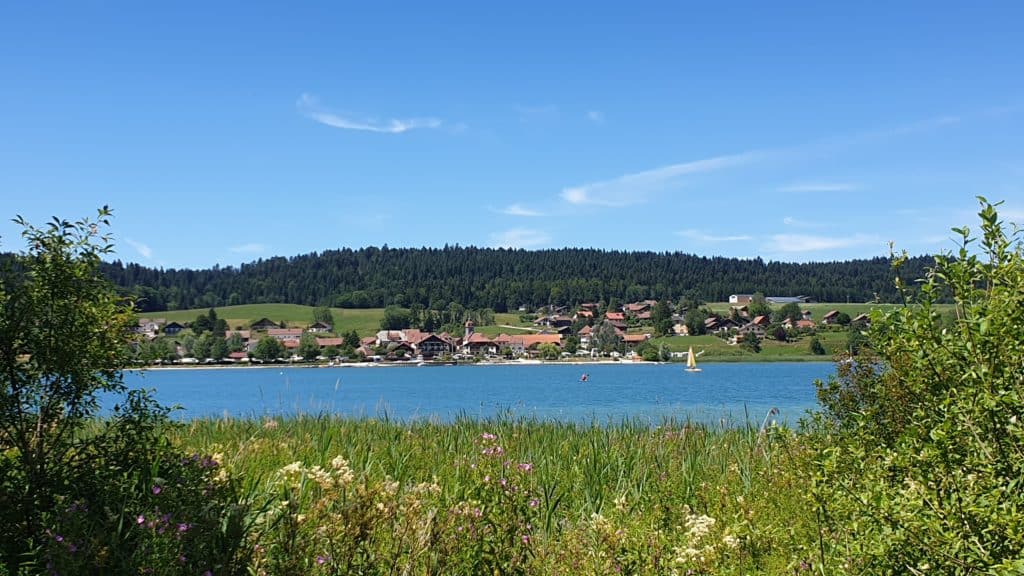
(537, 339)
(831, 314)
(585, 313)
(586, 330)
(634, 338)
(615, 315)
(762, 319)
(323, 342)
(284, 332)
(478, 338)
(804, 324)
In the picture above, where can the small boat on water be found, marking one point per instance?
(691, 361)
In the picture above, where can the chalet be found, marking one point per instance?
(832, 317)
(286, 334)
(431, 345)
(615, 316)
(583, 313)
(862, 319)
(149, 327)
(592, 306)
(385, 337)
(368, 341)
(620, 325)
(763, 321)
(680, 329)
(328, 342)
(645, 315)
(584, 335)
(751, 328)
(319, 327)
(740, 298)
(635, 308)
(634, 340)
(807, 315)
(238, 356)
(172, 328)
(399, 349)
(534, 341)
(478, 344)
(553, 321)
(799, 324)
(715, 324)
(263, 324)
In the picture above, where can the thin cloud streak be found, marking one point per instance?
(519, 210)
(143, 250)
(520, 238)
(309, 106)
(633, 188)
(251, 248)
(704, 237)
(790, 243)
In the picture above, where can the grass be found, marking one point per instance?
(365, 321)
(717, 349)
(515, 496)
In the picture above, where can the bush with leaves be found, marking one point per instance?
(920, 445)
(77, 493)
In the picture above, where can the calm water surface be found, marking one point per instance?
(648, 392)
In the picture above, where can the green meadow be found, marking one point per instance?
(511, 496)
(365, 321)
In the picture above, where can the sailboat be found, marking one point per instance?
(691, 361)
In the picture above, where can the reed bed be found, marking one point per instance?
(513, 495)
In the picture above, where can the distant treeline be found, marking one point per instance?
(501, 279)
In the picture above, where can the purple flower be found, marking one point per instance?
(208, 573)
(526, 539)
(58, 538)
(488, 436)
(526, 467)
(140, 519)
(183, 527)
(321, 559)
(157, 489)
(534, 502)
(72, 548)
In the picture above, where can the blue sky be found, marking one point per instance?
(225, 132)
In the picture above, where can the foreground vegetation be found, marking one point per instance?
(913, 466)
(515, 497)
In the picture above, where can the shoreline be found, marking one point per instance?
(581, 363)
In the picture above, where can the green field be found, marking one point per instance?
(364, 321)
(717, 349)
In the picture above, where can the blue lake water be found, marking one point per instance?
(735, 392)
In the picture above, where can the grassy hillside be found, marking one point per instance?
(364, 321)
(717, 349)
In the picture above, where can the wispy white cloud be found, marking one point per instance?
(819, 187)
(520, 238)
(519, 210)
(798, 223)
(806, 243)
(310, 107)
(144, 250)
(705, 237)
(595, 116)
(251, 248)
(634, 188)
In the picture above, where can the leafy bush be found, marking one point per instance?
(920, 452)
(81, 495)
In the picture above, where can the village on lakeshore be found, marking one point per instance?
(646, 330)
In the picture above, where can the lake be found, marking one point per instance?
(735, 392)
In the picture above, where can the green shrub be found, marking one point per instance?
(920, 450)
(81, 495)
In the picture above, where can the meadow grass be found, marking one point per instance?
(365, 321)
(512, 495)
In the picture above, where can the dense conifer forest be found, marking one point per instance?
(501, 279)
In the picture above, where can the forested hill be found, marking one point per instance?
(501, 279)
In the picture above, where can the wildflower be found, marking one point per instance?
(488, 436)
(730, 541)
(140, 519)
(321, 559)
(534, 502)
(525, 467)
(157, 489)
(526, 539)
(183, 527)
(72, 548)
(270, 425)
